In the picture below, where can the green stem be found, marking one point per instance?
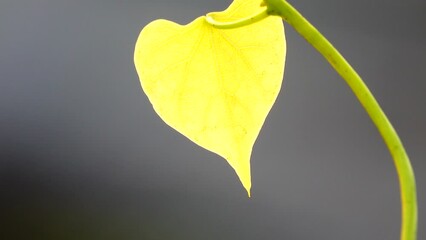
(405, 172)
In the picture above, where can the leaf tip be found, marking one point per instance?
(247, 186)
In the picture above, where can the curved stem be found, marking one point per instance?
(402, 163)
(238, 23)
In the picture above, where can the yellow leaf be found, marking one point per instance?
(214, 86)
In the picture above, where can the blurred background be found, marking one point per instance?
(84, 156)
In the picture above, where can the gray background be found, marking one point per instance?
(84, 156)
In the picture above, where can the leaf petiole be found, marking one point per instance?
(402, 163)
(238, 23)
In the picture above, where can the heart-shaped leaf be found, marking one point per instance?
(214, 86)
